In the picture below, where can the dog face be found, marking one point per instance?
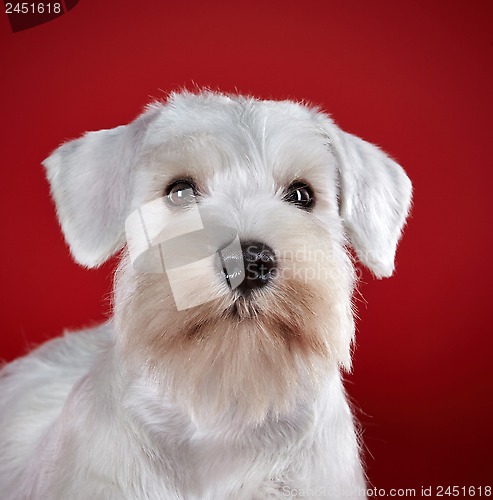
(255, 203)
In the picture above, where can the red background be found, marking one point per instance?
(412, 76)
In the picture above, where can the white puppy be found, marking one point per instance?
(218, 376)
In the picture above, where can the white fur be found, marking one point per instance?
(201, 404)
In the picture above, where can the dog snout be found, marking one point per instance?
(260, 265)
(248, 265)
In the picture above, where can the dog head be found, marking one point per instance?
(235, 215)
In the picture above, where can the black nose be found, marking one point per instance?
(260, 265)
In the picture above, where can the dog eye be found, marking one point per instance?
(181, 193)
(300, 194)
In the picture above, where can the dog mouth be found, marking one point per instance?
(249, 269)
(244, 308)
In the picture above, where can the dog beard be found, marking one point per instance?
(247, 357)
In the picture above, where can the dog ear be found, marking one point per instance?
(375, 198)
(91, 181)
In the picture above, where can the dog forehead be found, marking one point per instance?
(188, 115)
(207, 108)
(208, 132)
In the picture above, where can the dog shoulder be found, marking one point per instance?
(34, 389)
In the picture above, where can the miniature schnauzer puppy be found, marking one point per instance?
(218, 375)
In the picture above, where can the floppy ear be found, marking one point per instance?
(91, 181)
(375, 198)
